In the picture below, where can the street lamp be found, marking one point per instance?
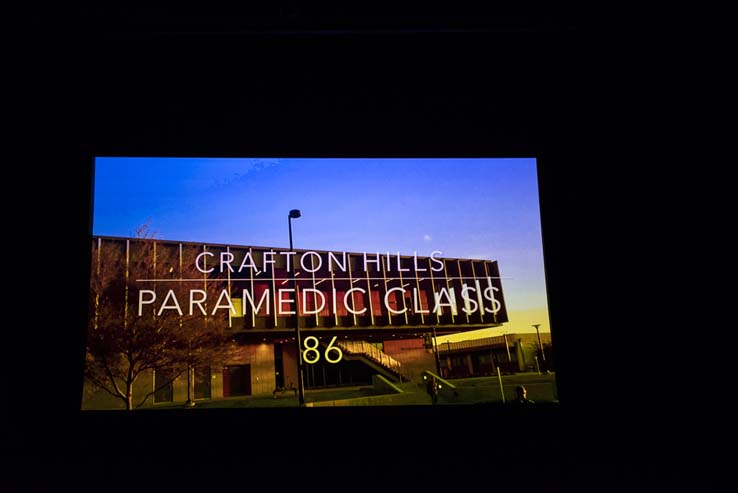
(294, 214)
(540, 346)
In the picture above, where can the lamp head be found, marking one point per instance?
(295, 213)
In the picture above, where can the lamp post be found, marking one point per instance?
(540, 346)
(294, 214)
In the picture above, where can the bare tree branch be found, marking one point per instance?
(109, 372)
(169, 382)
(101, 385)
(122, 347)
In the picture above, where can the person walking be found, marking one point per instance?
(432, 389)
(521, 395)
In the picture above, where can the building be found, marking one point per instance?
(379, 309)
(511, 353)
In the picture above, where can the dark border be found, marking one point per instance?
(475, 93)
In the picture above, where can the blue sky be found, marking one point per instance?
(468, 208)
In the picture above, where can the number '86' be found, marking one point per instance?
(311, 354)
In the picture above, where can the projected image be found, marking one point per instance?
(243, 283)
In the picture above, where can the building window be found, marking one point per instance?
(340, 307)
(326, 311)
(238, 305)
(393, 302)
(308, 298)
(377, 303)
(203, 380)
(164, 390)
(358, 303)
(259, 290)
(286, 303)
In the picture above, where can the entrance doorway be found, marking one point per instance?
(236, 380)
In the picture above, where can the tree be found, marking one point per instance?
(127, 338)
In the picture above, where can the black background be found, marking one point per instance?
(576, 88)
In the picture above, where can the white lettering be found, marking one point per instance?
(418, 306)
(141, 301)
(170, 294)
(223, 257)
(346, 303)
(386, 301)
(415, 261)
(450, 296)
(229, 305)
(332, 257)
(479, 296)
(367, 261)
(468, 301)
(302, 261)
(436, 261)
(264, 296)
(197, 263)
(288, 261)
(269, 258)
(285, 300)
(304, 301)
(489, 293)
(250, 265)
(399, 264)
(199, 302)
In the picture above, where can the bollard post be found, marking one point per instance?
(502, 389)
